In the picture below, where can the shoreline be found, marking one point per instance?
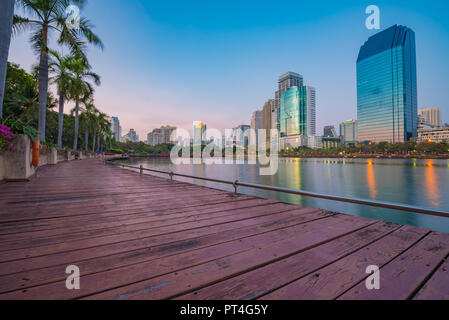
(417, 157)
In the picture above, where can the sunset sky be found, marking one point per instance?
(217, 61)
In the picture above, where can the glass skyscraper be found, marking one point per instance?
(297, 114)
(386, 87)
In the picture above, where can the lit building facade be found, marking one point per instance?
(287, 81)
(387, 87)
(438, 135)
(297, 114)
(348, 132)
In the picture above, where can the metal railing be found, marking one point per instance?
(236, 184)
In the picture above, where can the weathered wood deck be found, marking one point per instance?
(143, 237)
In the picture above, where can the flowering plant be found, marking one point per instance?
(43, 148)
(5, 138)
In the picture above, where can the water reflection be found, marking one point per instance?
(371, 180)
(431, 184)
(416, 182)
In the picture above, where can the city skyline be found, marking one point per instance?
(240, 82)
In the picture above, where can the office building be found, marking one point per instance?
(298, 112)
(286, 81)
(116, 129)
(131, 136)
(436, 135)
(267, 118)
(240, 135)
(387, 87)
(331, 142)
(161, 135)
(256, 124)
(329, 131)
(430, 117)
(199, 132)
(348, 132)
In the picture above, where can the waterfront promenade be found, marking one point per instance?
(144, 237)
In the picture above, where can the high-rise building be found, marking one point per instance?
(199, 132)
(386, 87)
(348, 132)
(256, 124)
(116, 129)
(287, 81)
(298, 112)
(431, 117)
(240, 134)
(330, 132)
(167, 132)
(161, 135)
(267, 120)
(131, 136)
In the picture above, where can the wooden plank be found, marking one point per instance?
(400, 278)
(96, 240)
(23, 280)
(261, 281)
(334, 279)
(114, 277)
(119, 213)
(437, 287)
(176, 283)
(23, 228)
(39, 238)
(89, 253)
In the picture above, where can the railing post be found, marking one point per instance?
(141, 169)
(235, 185)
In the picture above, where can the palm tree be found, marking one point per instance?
(60, 68)
(104, 127)
(6, 18)
(47, 16)
(81, 88)
(85, 118)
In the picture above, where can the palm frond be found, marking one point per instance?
(20, 24)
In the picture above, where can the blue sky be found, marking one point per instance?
(218, 61)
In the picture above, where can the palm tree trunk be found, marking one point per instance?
(93, 141)
(77, 110)
(61, 118)
(98, 143)
(86, 136)
(43, 85)
(6, 16)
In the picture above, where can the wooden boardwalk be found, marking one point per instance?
(143, 237)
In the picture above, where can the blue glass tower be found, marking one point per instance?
(297, 115)
(386, 87)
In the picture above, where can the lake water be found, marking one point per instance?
(415, 182)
